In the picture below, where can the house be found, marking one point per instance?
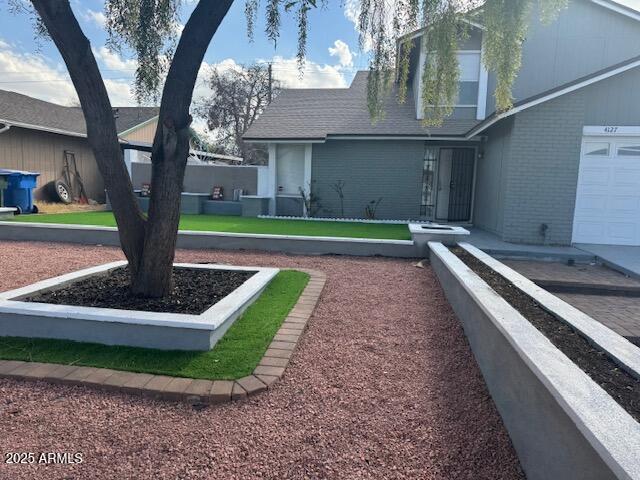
(34, 136)
(562, 166)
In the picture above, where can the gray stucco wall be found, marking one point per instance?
(202, 178)
(585, 38)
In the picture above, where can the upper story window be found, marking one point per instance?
(469, 81)
(468, 85)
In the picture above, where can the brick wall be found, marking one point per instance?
(370, 169)
(543, 170)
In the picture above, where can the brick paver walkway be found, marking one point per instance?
(579, 273)
(620, 313)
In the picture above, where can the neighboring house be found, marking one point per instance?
(36, 134)
(562, 166)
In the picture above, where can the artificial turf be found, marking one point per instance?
(234, 224)
(234, 356)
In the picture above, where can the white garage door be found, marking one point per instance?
(608, 197)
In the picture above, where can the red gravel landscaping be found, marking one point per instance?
(383, 385)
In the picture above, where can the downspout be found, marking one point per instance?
(5, 128)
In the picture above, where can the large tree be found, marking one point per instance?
(238, 96)
(170, 63)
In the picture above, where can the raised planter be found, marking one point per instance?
(562, 424)
(167, 331)
(423, 233)
(221, 207)
(296, 244)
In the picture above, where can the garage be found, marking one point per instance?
(607, 207)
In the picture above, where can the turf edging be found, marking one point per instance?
(259, 369)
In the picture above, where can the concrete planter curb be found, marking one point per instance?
(296, 244)
(270, 369)
(562, 424)
(134, 328)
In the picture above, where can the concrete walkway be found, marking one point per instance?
(493, 245)
(625, 259)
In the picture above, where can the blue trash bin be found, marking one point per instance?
(19, 190)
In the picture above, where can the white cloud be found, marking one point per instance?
(352, 13)
(96, 17)
(36, 76)
(313, 75)
(113, 61)
(341, 50)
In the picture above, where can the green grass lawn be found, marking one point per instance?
(234, 356)
(218, 223)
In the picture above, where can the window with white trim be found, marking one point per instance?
(469, 79)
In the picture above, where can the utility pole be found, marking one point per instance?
(270, 70)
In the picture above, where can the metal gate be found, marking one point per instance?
(461, 186)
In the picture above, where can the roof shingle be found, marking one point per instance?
(314, 114)
(22, 109)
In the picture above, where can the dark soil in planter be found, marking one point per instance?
(195, 290)
(617, 382)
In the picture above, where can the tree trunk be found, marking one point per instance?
(149, 244)
(154, 276)
(171, 149)
(102, 135)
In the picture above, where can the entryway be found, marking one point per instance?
(456, 167)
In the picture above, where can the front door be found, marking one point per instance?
(455, 184)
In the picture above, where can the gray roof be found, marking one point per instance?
(315, 114)
(28, 111)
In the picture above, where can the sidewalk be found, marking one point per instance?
(493, 245)
(625, 259)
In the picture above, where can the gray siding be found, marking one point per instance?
(585, 38)
(491, 178)
(615, 101)
(43, 152)
(370, 169)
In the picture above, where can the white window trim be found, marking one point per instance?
(273, 177)
(308, 155)
(483, 87)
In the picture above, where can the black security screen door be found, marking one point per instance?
(461, 186)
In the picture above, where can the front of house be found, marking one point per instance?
(562, 166)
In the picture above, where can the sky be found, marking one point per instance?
(35, 68)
